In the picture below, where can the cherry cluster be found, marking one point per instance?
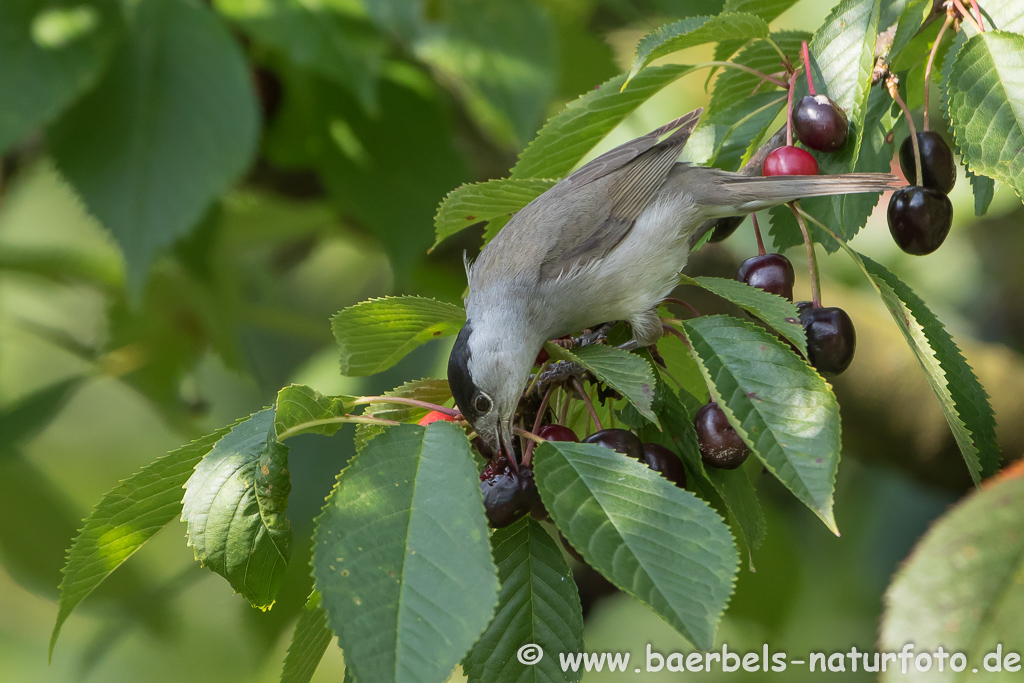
(820, 124)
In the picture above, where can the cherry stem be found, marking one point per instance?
(365, 400)
(677, 333)
(789, 109)
(812, 260)
(565, 410)
(968, 16)
(892, 85)
(586, 400)
(757, 234)
(543, 407)
(680, 302)
(981, 24)
(928, 68)
(340, 419)
(527, 435)
(777, 48)
(743, 67)
(807, 68)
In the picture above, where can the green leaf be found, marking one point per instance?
(303, 410)
(172, 125)
(737, 115)
(963, 400)
(740, 497)
(128, 515)
(401, 556)
(778, 313)
(309, 642)
(842, 59)
(30, 414)
(332, 39)
(538, 604)
(985, 88)
(568, 136)
(910, 22)
(961, 587)
(471, 204)
(50, 54)
(653, 540)
(769, 10)
(627, 373)
(693, 31)
(501, 56)
(376, 334)
(984, 189)
(429, 390)
(234, 505)
(784, 411)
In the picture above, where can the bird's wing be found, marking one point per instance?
(631, 174)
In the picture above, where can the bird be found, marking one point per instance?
(606, 243)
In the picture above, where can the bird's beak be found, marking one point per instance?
(506, 437)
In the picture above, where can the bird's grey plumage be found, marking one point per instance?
(605, 243)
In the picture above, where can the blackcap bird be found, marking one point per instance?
(606, 243)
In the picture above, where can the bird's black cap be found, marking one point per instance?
(459, 380)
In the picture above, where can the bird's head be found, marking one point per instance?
(487, 372)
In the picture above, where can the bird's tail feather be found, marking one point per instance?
(736, 194)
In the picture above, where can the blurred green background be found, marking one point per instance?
(371, 114)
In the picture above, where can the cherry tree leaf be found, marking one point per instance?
(171, 126)
(783, 410)
(769, 10)
(538, 604)
(471, 204)
(693, 31)
(778, 313)
(300, 410)
(50, 54)
(376, 334)
(961, 587)
(627, 373)
(127, 516)
(568, 136)
(401, 557)
(677, 557)
(429, 390)
(985, 92)
(234, 505)
(309, 643)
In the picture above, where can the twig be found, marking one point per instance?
(968, 16)
(743, 67)
(673, 300)
(366, 400)
(341, 419)
(977, 10)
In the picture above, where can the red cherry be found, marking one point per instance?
(557, 433)
(789, 160)
(434, 416)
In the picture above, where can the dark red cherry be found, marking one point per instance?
(771, 272)
(820, 123)
(919, 219)
(831, 339)
(620, 440)
(666, 463)
(937, 164)
(720, 445)
(789, 160)
(507, 495)
(557, 433)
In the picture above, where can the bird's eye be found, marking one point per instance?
(482, 404)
